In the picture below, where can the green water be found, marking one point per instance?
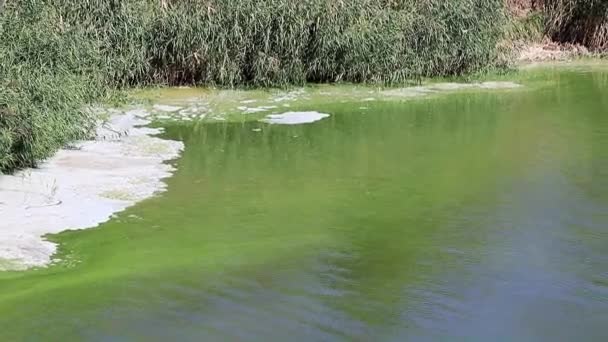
(480, 215)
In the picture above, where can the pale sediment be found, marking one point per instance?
(81, 187)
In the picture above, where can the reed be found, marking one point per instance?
(579, 22)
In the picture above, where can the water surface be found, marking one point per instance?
(480, 215)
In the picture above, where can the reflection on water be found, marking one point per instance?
(480, 216)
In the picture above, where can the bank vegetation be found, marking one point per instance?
(57, 56)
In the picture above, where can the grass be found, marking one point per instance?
(56, 56)
(45, 82)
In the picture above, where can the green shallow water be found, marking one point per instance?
(480, 215)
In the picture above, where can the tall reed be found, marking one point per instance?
(579, 21)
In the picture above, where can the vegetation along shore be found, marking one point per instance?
(58, 56)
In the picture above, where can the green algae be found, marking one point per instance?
(365, 219)
(213, 105)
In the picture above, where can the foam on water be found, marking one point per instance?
(294, 118)
(81, 187)
(166, 108)
(446, 87)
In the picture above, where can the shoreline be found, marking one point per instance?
(81, 187)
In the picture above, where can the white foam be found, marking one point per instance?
(499, 85)
(252, 110)
(166, 108)
(81, 188)
(446, 87)
(289, 96)
(294, 118)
